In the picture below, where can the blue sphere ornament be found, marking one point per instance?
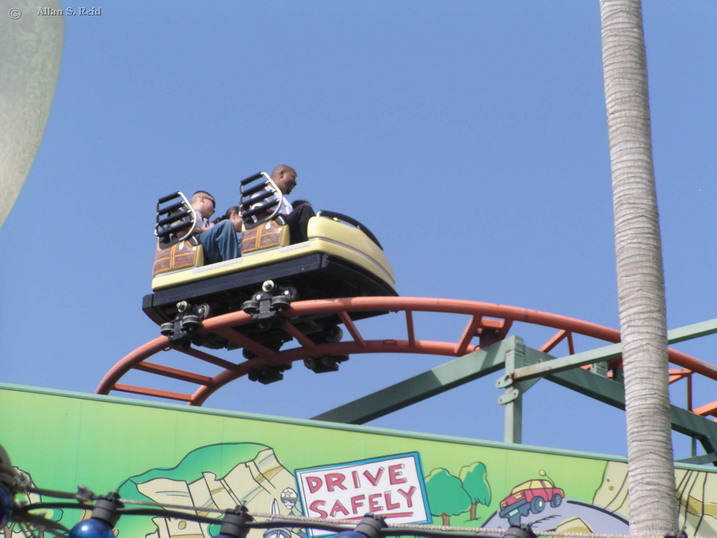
(6, 504)
(92, 528)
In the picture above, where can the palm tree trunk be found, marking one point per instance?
(640, 279)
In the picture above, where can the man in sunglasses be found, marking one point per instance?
(219, 241)
(204, 206)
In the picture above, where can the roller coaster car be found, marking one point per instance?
(341, 258)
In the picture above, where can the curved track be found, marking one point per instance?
(488, 323)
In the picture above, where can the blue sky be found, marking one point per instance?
(468, 135)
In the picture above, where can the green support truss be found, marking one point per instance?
(420, 387)
(525, 366)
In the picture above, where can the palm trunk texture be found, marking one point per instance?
(640, 278)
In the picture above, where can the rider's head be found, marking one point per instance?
(233, 215)
(204, 202)
(285, 178)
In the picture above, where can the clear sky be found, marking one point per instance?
(468, 135)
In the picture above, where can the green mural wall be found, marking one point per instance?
(213, 459)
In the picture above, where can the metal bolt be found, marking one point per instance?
(268, 285)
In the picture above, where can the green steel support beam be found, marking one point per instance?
(512, 399)
(699, 460)
(422, 386)
(551, 365)
(612, 393)
(689, 332)
(524, 367)
(605, 353)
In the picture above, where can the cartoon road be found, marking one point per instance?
(571, 514)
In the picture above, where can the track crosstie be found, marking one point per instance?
(487, 324)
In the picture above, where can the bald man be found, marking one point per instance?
(297, 218)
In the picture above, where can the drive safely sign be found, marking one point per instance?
(390, 486)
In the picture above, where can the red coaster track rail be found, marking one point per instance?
(488, 323)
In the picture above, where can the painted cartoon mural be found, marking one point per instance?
(219, 477)
(14, 530)
(209, 460)
(390, 486)
(451, 495)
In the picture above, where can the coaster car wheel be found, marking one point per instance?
(326, 363)
(268, 374)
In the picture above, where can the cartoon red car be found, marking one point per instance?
(530, 496)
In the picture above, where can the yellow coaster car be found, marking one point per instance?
(341, 258)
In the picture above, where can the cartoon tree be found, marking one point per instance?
(446, 495)
(475, 482)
